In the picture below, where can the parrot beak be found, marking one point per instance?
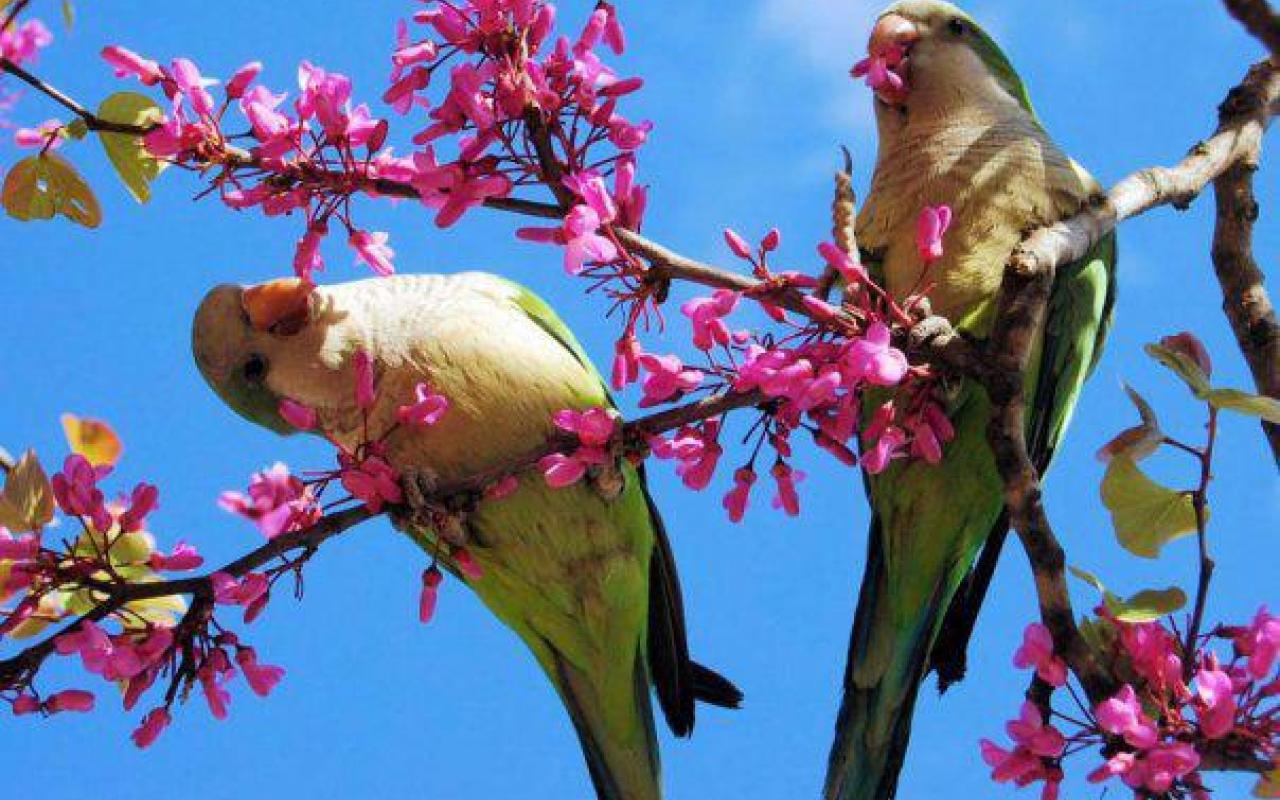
(889, 50)
(282, 307)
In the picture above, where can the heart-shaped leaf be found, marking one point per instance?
(38, 187)
(27, 500)
(135, 166)
(1145, 514)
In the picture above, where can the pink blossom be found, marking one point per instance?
(229, 591)
(262, 678)
(594, 427)
(667, 378)
(300, 416)
(427, 409)
(1037, 651)
(630, 197)
(241, 78)
(737, 244)
(259, 105)
(366, 388)
(306, 256)
(845, 264)
(707, 315)
(1030, 731)
(462, 190)
(930, 227)
(191, 85)
(1261, 643)
(21, 43)
(878, 70)
(467, 564)
(46, 134)
(1152, 652)
(874, 359)
(1217, 706)
(153, 724)
(582, 243)
(787, 498)
(372, 249)
(21, 548)
(888, 445)
(626, 362)
(589, 186)
(277, 502)
(70, 700)
(431, 580)
(735, 502)
(216, 696)
(126, 62)
(1122, 715)
(626, 135)
(25, 704)
(142, 501)
(75, 489)
(372, 480)
(561, 470)
(183, 558)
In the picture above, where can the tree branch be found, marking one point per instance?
(1024, 293)
(1244, 297)
(92, 121)
(1260, 20)
(634, 439)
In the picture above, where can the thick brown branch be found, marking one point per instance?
(1260, 19)
(1024, 294)
(1050, 247)
(1244, 297)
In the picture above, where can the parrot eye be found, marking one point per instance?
(956, 26)
(255, 369)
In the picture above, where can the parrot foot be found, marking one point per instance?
(426, 508)
(607, 479)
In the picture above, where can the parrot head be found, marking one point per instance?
(247, 339)
(930, 55)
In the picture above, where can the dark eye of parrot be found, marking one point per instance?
(255, 369)
(956, 26)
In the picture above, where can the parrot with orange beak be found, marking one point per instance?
(956, 128)
(584, 574)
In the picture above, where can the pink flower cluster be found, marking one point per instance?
(22, 43)
(276, 502)
(594, 429)
(1155, 730)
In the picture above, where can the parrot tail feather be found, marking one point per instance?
(713, 688)
(886, 667)
(617, 734)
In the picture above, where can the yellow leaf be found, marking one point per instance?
(38, 187)
(92, 439)
(1146, 516)
(135, 166)
(26, 503)
(1183, 366)
(1145, 606)
(1267, 408)
(48, 611)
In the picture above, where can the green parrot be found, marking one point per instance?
(583, 574)
(958, 130)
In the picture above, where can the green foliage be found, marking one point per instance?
(135, 166)
(1145, 606)
(38, 187)
(1145, 514)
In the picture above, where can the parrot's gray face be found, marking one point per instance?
(235, 359)
(943, 58)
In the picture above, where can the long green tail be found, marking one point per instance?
(615, 731)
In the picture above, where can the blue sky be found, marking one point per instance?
(750, 100)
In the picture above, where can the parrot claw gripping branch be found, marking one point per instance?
(919, 360)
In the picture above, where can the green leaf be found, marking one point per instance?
(68, 13)
(135, 166)
(1244, 403)
(38, 187)
(26, 503)
(1183, 366)
(1145, 514)
(1145, 606)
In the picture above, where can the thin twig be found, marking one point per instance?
(92, 121)
(1200, 502)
